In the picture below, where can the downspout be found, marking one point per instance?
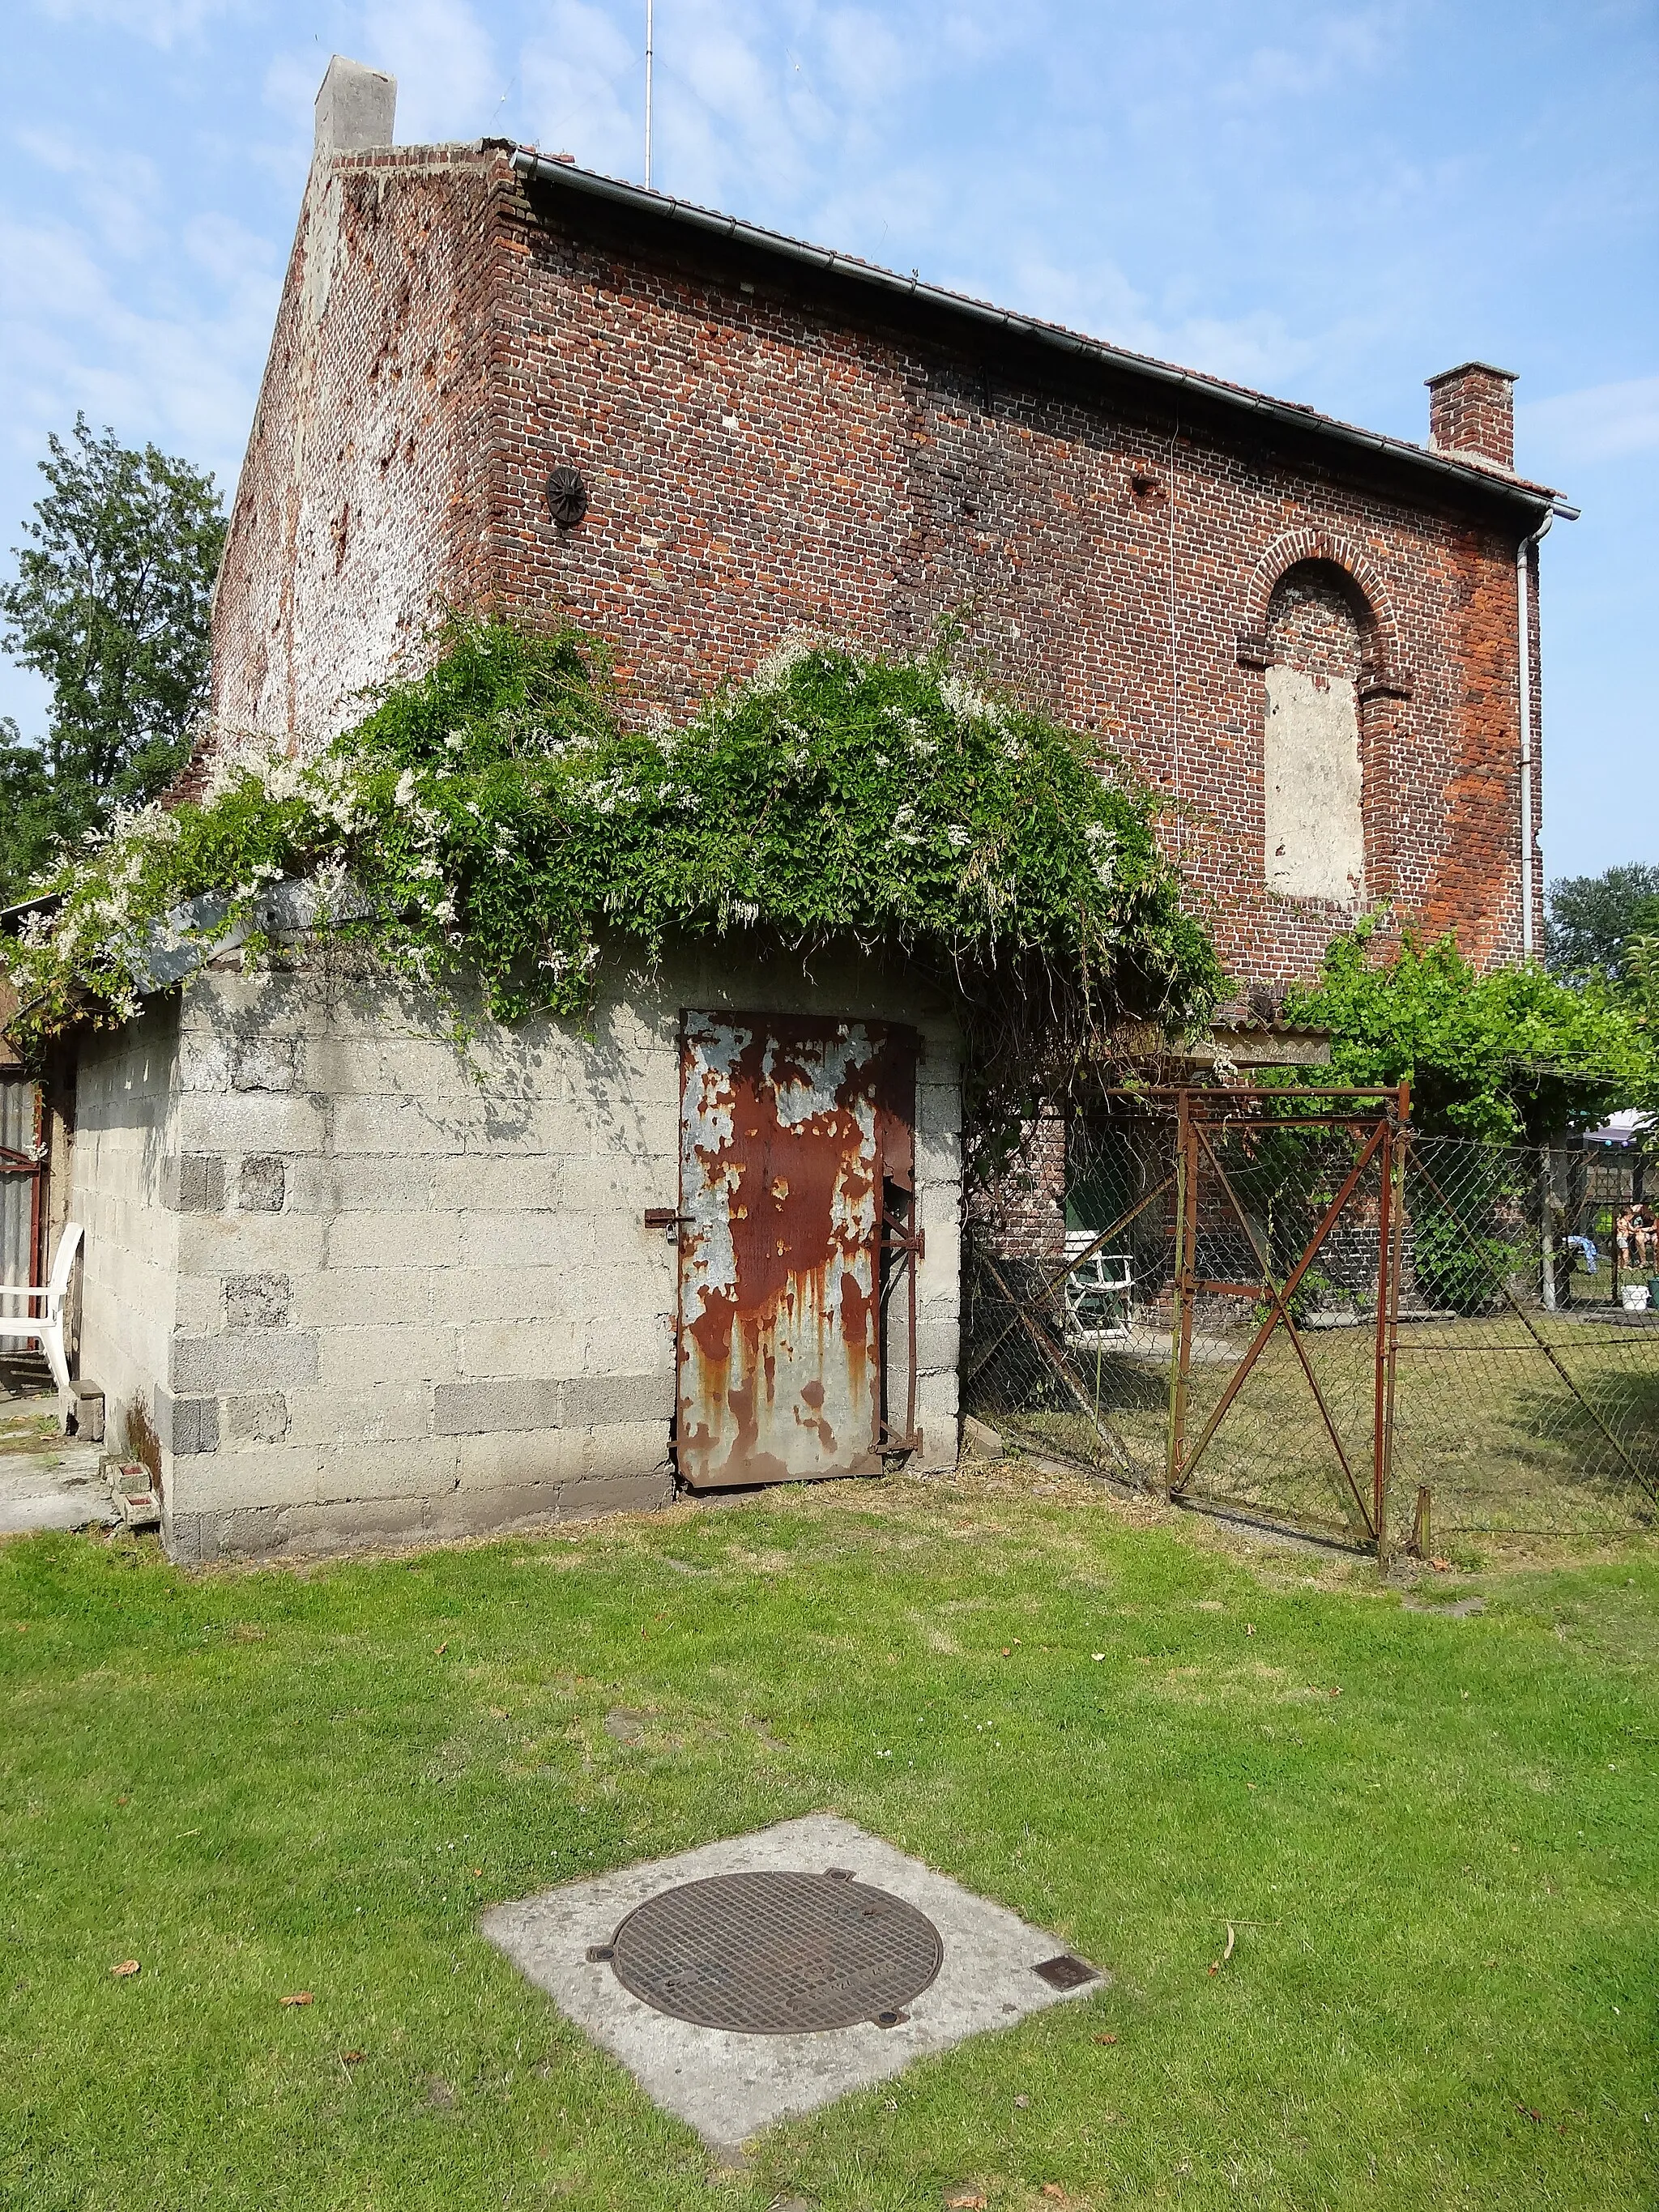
(1528, 849)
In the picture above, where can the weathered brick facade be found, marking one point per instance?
(769, 443)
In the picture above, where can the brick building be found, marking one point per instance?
(1310, 635)
(337, 1291)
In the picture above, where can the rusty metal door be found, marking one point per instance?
(23, 1173)
(789, 1129)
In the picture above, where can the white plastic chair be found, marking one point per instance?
(45, 1328)
(1097, 1291)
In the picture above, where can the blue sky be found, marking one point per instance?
(1328, 202)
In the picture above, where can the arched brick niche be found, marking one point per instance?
(1332, 696)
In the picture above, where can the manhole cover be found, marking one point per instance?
(777, 1953)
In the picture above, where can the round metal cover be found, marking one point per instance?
(769, 1954)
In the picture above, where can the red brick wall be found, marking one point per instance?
(761, 459)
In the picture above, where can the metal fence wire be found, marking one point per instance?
(1307, 1313)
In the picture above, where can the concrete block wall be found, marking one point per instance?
(128, 1177)
(394, 1296)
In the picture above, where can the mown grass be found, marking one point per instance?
(1436, 1839)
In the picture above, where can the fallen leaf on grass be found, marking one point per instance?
(1441, 1566)
(1020, 2103)
(441, 1649)
(496, 1712)
(966, 2200)
(300, 1997)
(353, 2057)
(126, 1967)
(1105, 2039)
(1051, 2189)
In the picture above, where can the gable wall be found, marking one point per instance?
(359, 511)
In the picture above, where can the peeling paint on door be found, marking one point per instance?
(782, 1121)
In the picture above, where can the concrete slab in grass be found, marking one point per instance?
(728, 2085)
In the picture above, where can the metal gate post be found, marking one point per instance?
(1180, 1318)
(1390, 1237)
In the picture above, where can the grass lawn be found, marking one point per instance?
(1437, 1840)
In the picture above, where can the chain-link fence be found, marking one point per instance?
(1305, 1313)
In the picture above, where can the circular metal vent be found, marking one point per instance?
(777, 1954)
(567, 497)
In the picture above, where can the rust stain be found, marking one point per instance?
(781, 1172)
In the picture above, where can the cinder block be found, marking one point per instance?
(187, 1426)
(496, 1511)
(592, 1401)
(256, 1301)
(319, 1531)
(399, 1357)
(199, 1539)
(619, 1343)
(198, 1307)
(250, 1243)
(349, 1298)
(564, 1240)
(252, 1359)
(392, 1240)
(524, 1182)
(937, 1347)
(422, 1467)
(262, 1186)
(193, 1182)
(537, 1455)
(519, 1348)
(486, 1408)
(405, 1127)
(639, 1494)
(279, 1475)
(265, 1062)
(249, 1122)
(376, 1406)
(626, 1449)
(256, 1417)
(610, 1185)
(205, 1059)
(364, 1183)
(493, 1294)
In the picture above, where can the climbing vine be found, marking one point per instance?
(490, 823)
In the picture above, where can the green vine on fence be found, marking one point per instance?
(493, 820)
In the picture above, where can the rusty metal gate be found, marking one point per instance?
(796, 1229)
(22, 1178)
(1266, 1182)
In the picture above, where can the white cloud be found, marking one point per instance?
(168, 369)
(162, 22)
(1604, 422)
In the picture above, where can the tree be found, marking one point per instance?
(1510, 1055)
(111, 605)
(1593, 918)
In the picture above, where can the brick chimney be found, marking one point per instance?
(355, 108)
(1472, 411)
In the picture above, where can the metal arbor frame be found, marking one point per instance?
(1378, 1119)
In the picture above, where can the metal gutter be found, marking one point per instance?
(1466, 477)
